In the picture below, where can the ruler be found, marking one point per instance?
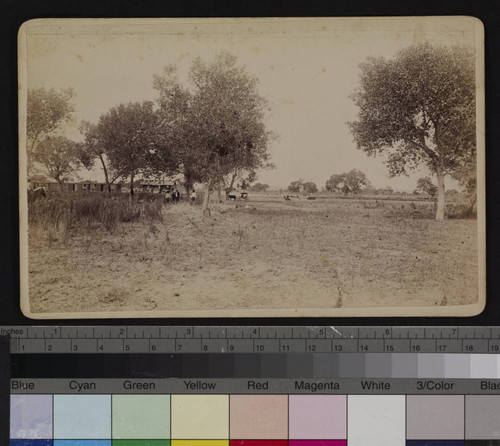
(252, 339)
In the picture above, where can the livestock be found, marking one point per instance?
(287, 197)
(34, 194)
(231, 197)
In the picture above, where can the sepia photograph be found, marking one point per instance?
(260, 167)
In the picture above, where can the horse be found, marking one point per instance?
(34, 194)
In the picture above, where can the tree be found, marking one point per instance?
(259, 187)
(296, 186)
(93, 149)
(355, 180)
(127, 135)
(47, 111)
(352, 181)
(58, 157)
(426, 185)
(418, 107)
(215, 128)
(310, 187)
(335, 183)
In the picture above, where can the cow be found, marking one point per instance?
(231, 197)
(287, 197)
(34, 194)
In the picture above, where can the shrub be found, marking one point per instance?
(62, 211)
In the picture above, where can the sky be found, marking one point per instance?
(307, 69)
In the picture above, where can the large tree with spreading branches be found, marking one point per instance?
(127, 137)
(214, 127)
(419, 108)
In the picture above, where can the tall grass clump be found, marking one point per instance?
(73, 211)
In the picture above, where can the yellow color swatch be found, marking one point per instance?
(200, 417)
(200, 443)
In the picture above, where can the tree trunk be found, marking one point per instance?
(106, 177)
(206, 198)
(131, 185)
(440, 195)
(231, 184)
(188, 182)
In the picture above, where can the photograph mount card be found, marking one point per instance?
(252, 167)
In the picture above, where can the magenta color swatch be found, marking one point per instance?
(317, 443)
(317, 417)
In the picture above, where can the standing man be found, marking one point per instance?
(193, 196)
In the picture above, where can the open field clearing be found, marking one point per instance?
(264, 253)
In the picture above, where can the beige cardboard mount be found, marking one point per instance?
(108, 61)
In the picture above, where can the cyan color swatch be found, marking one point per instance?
(82, 417)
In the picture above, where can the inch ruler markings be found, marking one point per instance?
(251, 339)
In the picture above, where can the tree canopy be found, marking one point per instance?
(426, 185)
(419, 108)
(310, 187)
(127, 135)
(58, 157)
(259, 187)
(352, 181)
(296, 186)
(47, 111)
(215, 126)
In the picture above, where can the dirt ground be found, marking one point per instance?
(264, 253)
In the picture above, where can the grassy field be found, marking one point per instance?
(263, 253)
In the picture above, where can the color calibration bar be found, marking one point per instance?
(255, 420)
(251, 365)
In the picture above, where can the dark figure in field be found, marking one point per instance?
(192, 197)
(287, 197)
(34, 194)
(177, 195)
(231, 197)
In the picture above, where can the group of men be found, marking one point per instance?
(176, 196)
